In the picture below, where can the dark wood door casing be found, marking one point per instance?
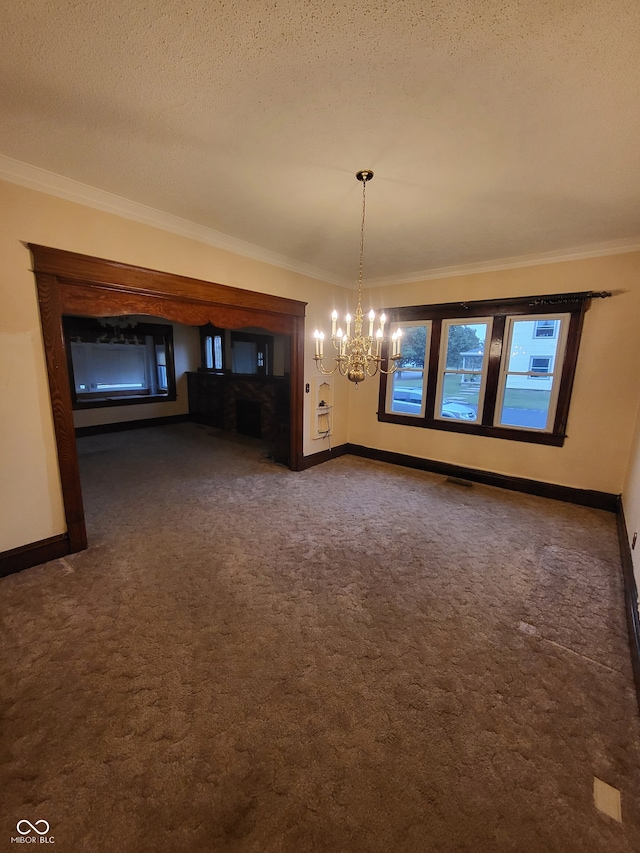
(82, 285)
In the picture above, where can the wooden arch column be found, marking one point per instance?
(69, 283)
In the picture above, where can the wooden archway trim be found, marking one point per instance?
(82, 285)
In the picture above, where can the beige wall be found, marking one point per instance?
(607, 385)
(30, 497)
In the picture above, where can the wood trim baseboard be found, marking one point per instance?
(99, 429)
(630, 597)
(569, 494)
(34, 554)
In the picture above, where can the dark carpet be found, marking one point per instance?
(358, 658)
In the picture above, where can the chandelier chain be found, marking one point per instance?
(364, 201)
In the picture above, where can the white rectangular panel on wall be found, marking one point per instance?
(322, 408)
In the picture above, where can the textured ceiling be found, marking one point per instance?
(495, 129)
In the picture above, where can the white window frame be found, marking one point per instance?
(555, 374)
(425, 369)
(442, 364)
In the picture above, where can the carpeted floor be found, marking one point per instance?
(358, 658)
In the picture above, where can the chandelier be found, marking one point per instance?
(358, 355)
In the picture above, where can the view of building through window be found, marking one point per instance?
(529, 380)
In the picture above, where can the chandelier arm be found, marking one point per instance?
(391, 370)
(322, 369)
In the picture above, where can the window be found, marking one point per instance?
(529, 384)
(161, 365)
(211, 341)
(246, 352)
(545, 328)
(462, 369)
(244, 357)
(109, 368)
(213, 352)
(407, 394)
(496, 368)
(251, 353)
(540, 366)
(118, 361)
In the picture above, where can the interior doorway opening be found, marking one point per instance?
(135, 370)
(70, 284)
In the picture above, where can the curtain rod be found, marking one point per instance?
(562, 298)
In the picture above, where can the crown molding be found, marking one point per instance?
(35, 178)
(596, 250)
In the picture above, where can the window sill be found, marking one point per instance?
(507, 433)
(102, 402)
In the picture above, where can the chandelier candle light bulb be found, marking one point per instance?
(319, 339)
(378, 342)
(356, 356)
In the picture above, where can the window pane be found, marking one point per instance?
(117, 367)
(460, 396)
(546, 328)
(524, 407)
(465, 346)
(217, 352)
(407, 384)
(414, 346)
(521, 345)
(526, 348)
(529, 383)
(407, 391)
(245, 357)
(208, 352)
(161, 362)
